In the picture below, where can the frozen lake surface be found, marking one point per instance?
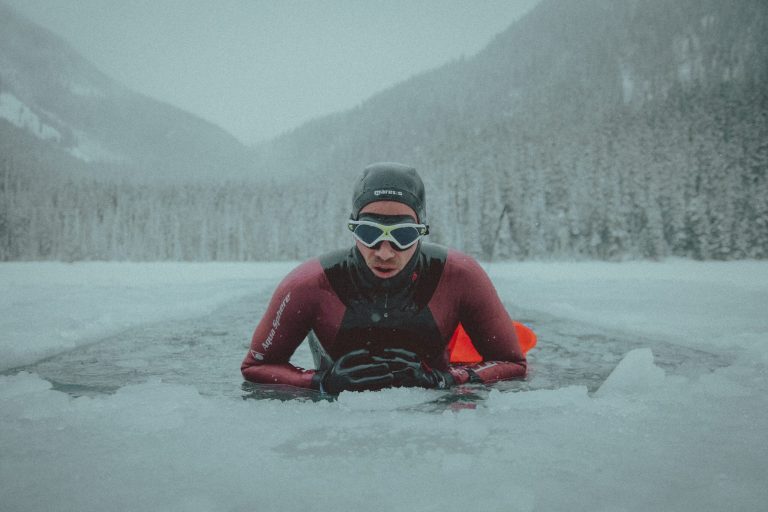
(204, 352)
(121, 390)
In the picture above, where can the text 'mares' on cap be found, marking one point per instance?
(389, 181)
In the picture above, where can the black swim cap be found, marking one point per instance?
(390, 182)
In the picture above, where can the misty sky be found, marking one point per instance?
(259, 67)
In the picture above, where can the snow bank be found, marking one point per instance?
(48, 308)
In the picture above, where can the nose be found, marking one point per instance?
(385, 251)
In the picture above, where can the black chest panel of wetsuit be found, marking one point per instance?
(387, 313)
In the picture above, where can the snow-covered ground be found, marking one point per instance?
(648, 439)
(22, 116)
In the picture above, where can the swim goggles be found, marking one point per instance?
(400, 236)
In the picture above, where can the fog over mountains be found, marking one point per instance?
(567, 66)
(71, 109)
(604, 129)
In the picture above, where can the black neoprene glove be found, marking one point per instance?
(355, 371)
(409, 370)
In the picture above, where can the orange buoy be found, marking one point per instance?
(462, 350)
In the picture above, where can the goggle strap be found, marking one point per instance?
(423, 229)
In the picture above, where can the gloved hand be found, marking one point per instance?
(355, 371)
(409, 370)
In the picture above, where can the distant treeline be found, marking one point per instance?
(662, 181)
(646, 184)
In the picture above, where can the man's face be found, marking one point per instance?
(386, 261)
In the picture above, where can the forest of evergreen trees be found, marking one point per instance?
(648, 183)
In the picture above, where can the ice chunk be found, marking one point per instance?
(29, 397)
(386, 399)
(635, 374)
(23, 383)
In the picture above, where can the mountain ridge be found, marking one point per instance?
(98, 120)
(544, 59)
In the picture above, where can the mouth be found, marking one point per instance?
(384, 271)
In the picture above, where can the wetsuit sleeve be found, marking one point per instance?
(488, 325)
(281, 330)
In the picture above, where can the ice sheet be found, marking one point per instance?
(646, 440)
(48, 308)
(713, 305)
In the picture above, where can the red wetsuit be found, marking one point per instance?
(348, 308)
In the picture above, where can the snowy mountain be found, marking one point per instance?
(48, 91)
(566, 65)
(608, 129)
(605, 128)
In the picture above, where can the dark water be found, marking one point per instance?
(206, 352)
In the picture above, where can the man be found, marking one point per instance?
(384, 310)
